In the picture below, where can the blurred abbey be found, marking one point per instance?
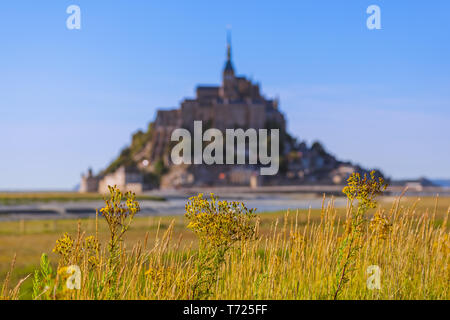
(236, 103)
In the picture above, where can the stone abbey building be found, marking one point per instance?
(236, 103)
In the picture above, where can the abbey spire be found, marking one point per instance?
(229, 88)
(228, 70)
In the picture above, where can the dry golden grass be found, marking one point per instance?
(293, 257)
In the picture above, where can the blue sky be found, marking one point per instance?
(70, 99)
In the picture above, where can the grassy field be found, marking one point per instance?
(294, 256)
(10, 198)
